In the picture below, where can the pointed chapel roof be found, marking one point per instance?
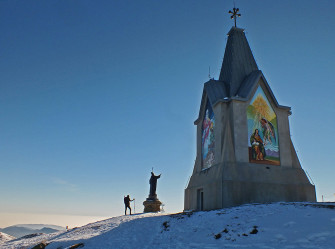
(238, 61)
(239, 74)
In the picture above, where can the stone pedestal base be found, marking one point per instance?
(152, 205)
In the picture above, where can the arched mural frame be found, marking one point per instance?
(262, 125)
(208, 137)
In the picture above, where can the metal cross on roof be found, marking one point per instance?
(234, 14)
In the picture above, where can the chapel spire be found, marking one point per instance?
(238, 61)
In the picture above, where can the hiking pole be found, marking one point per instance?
(134, 205)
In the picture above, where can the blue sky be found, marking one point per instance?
(93, 94)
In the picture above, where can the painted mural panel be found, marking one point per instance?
(262, 130)
(208, 139)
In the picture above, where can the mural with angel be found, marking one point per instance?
(262, 130)
(208, 139)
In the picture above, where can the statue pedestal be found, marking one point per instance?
(152, 205)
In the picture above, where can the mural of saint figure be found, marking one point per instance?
(208, 140)
(257, 146)
(262, 130)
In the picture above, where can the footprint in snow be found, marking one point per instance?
(290, 224)
(280, 237)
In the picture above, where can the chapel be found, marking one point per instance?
(244, 148)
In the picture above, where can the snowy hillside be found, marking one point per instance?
(279, 225)
(5, 237)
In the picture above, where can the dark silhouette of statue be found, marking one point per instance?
(152, 203)
(153, 185)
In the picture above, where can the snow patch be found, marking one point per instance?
(319, 236)
(5, 237)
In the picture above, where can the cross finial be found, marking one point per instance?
(234, 14)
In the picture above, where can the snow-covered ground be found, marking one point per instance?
(5, 237)
(278, 225)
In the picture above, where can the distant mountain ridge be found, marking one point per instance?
(40, 226)
(26, 229)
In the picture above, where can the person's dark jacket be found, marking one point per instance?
(127, 201)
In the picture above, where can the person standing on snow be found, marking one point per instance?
(127, 204)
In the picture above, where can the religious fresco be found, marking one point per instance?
(207, 138)
(262, 130)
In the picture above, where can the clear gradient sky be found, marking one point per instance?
(93, 94)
